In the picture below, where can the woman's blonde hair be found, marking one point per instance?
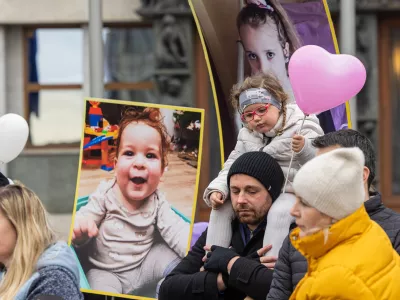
(25, 211)
(266, 81)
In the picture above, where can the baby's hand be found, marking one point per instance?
(298, 142)
(84, 229)
(216, 200)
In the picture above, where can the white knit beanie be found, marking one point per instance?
(333, 182)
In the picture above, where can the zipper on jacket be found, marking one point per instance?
(266, 141)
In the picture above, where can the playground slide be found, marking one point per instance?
(97, 140)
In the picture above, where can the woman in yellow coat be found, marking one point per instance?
(349, 256)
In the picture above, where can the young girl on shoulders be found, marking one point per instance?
(271, 125)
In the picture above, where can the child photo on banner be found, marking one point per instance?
(136, 194)
(260, 92)
(266, 32)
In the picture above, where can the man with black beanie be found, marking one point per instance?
(255, 180)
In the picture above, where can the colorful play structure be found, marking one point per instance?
(98, 133)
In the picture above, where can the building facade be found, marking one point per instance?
(378, 104)
(152, 53)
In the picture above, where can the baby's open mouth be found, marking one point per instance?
(138, 180)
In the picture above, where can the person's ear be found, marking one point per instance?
(366, 173)
(286, 52)
(115, 163)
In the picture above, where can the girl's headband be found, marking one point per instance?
(261, 4)
(257, 95)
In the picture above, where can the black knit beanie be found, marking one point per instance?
(262, 167)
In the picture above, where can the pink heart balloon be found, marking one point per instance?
(322, 81)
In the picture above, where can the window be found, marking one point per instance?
(389, 86)
(129, 63)
(54, 77)
(53, 89)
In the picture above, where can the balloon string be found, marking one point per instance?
(291, 159)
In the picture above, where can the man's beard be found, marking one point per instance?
(252, 216)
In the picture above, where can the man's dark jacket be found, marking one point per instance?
(292, 266)
(248, 277)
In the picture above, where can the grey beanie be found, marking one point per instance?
(333, 182)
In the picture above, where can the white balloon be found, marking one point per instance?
(14, 132)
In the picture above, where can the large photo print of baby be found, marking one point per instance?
(136, 194)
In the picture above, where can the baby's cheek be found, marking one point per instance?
(156, 175)
(156, 167)
(119, 175)
(122, 167)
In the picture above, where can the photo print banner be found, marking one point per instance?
(136, 194)
(237, 46)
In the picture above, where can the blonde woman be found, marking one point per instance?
(349, 256)
(32, 263)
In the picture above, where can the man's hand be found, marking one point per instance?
(298, 142)
(268, 261)
(207, 249)
(217, 260)
(231, 263)
(216, 200)
(220, 283)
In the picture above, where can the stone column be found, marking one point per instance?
(173, 27)
(3, 105)
(96, 58)
(347, 42)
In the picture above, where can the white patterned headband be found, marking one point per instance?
(261, 4)
(257, 95)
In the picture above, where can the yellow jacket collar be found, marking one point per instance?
(346, 229)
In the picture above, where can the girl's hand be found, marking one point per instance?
(84, 229)
(268, 261)
(216, 200)
(298, 142)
